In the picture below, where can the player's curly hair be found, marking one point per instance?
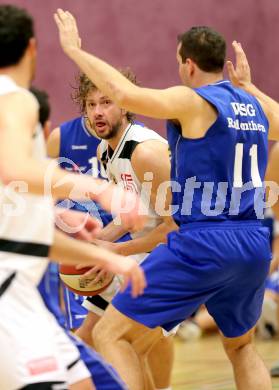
(84, 85)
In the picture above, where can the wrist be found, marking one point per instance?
(72, 52)
(124, 248)
(247, 85)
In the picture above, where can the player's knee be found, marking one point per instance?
(234, 353)
(85, 384)
(235, 347)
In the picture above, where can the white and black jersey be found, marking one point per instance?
(27, 221)
(119, 169)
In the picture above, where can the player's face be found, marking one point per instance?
(104, 116)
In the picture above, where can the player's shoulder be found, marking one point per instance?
(149, 151)
(141, 133)
(274, 153)
(19, 99)
(75, 122)
(53, 143)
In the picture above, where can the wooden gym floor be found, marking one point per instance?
(202, 364)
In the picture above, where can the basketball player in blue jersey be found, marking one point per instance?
(220, 255)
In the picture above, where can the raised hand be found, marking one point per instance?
(68, 31)
(240, 75)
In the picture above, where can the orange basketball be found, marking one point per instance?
(71, 277)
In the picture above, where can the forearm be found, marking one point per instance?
(148, 242)
(112, 232)
(67, 250)
(45, 178)
(105, 77)
(253, 90)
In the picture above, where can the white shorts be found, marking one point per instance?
(34, 348)
(98, 303)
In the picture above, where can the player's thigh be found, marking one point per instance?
(114, 326)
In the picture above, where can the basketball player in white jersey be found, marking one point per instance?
(31, 355)
(137, 159)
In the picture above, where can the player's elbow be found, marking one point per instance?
(121, 97)
(125, 97)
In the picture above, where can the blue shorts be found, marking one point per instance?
(222, 265)
(74, 311)
(104, 375)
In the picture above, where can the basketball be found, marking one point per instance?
(72, 278)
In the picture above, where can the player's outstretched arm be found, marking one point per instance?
(240, 76)
(67, 250)
(171, 103)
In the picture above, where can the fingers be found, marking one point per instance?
(91, 272)
(101, 275)
(138, 283)
(92, 223)
(239, 53)
(95, 232)
(142, 281)
(125, 283)
(63, 18)
(137, 280)
(241, 59)
(60, 16)
(83, 235)
(231, 71)
(58, 21)
(80, 266)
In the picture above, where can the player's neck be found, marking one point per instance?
(113, 142)
(18, 74)
(204, 79)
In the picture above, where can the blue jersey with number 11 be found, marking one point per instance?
(219, 177)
